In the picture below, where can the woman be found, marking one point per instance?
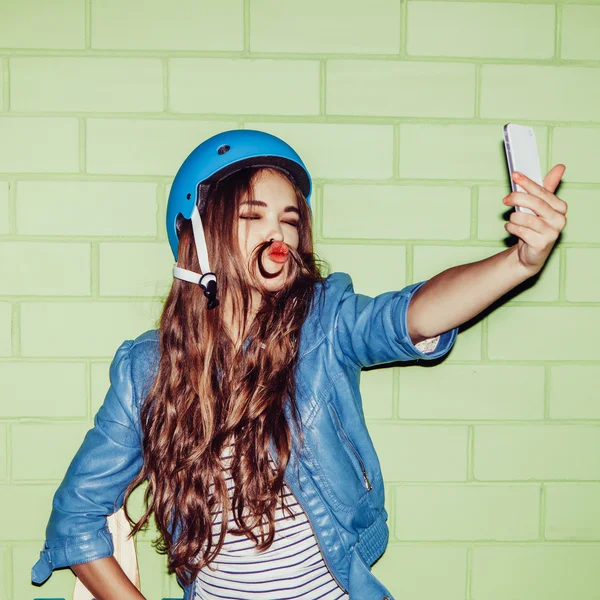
(243, 411)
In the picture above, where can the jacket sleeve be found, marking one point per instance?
(94, 485)
(370, 331)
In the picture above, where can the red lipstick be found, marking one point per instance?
(278, 252)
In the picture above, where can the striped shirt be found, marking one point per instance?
(292, 567)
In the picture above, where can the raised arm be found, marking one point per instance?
(460, 293)
(369, 331)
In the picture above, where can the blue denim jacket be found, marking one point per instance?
(335, 475)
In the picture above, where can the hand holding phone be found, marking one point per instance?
(522, 156)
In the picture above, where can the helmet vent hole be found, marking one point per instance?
(223, 149)
(189, 196)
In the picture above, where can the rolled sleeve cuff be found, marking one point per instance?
(72, 551)
(445, 342)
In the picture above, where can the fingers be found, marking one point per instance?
(529, 236)
(524, 221)
(557, 220)
(553, 177)
(537, 190)
(533, 231)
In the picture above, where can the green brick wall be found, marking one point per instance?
(492, 459)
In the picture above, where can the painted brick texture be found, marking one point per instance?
(491, 457)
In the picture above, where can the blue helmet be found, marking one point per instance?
(221, 155)
(214, 159)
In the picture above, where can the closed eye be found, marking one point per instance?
(258, 217)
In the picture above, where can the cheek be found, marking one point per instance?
(243, 237)
(248, 238)
(292, 239)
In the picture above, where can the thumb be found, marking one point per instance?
(553, 177)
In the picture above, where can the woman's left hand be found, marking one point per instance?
(537, 233)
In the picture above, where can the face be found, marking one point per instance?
(270, 214)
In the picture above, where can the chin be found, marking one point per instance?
(277, 283)
(273, 285)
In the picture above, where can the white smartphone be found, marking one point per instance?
(522, 156)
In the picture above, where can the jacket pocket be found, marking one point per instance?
(351, 450)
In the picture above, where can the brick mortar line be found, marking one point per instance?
(396, 151)
(403, 46)
(398, 543)
(389, 182)
(547, 391)
(5, 85)
(319, 192)
(82, 150)
(95, 271)
(542, 509)
(89, 415)
(66, 239)
(322, 87)
(42, 421)
(534, 2)
(483, 543)
(388, 121)
(160, 238)
(487, 543)
(469, 574)
(9, 570)
(89, 299)
(7, 448)
(246, 25)
(88, 25)
(558, 15)
(42, 360)
(51, 422)
(154, 299)
(88, 177)
(484, 341)
(165, 84)
(392, 423)
(15, 327)
(471, 453)
(396, 385)
(466, 422)
(409, 264)
(296, 56)
(141, 538)
(474, 223)
(549, 145)
(478, 92)
(390, 494)
(60, 238)
(166, 578)
(521, 483)
(161, 212)
(12, 209)
(492, 245)
(562, 273)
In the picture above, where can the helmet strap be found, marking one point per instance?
(207, 280)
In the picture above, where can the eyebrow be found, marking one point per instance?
(262, 204)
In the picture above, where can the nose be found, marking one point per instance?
(275, 234)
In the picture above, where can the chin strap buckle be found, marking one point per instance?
(208, 282)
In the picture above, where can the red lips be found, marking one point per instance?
(278, 252)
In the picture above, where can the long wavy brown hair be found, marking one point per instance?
(210, 392)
